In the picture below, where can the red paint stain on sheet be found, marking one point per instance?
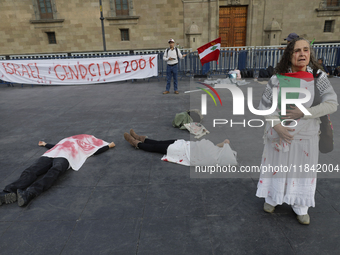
(66, 146)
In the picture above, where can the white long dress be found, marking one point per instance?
(296, 186)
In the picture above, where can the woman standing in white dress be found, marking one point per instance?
(293, 145)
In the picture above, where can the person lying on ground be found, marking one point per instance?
(188, 153)
(71, 152)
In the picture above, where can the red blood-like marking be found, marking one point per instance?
(274, 173)
(97, 142)
(165, 160)
(85, 146)
(82, 136)
(293, 183)
(67, 146)
(313, 180)
(181, 160)
(264, 160)
(261, 181)
(300, 139)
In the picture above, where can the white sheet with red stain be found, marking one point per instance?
(178, 152)
(200, 153)
(76, 149)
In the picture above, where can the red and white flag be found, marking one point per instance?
(210, 51)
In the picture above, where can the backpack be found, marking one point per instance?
(167, 50)
(270, 71)
(250, 73)
(244, 73)
(263, 73)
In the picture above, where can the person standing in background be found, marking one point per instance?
(291, 37)
(171, 55)
(320, 61)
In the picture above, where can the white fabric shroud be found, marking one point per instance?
(200, 153)
(76, 149)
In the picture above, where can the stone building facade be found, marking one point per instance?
(56, 26)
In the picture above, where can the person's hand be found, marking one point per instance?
(41, 143)
(226, 141)
(111, 145)
(293, 114)
(283, 132)
(171, 59)
(184, 55)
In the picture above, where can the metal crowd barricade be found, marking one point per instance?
(39, 56)
(263, 58)
(329, 53)
(247, 57)
(99, 54)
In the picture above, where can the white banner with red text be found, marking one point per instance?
(78, 71)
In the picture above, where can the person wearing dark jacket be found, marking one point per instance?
(71, 152)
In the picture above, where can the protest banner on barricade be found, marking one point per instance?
(79, 71)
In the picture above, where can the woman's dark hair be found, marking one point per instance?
(285, 61)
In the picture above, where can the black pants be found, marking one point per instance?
(155, 146)
(51, 168)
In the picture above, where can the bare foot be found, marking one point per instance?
(111, 145)
(222, 143)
